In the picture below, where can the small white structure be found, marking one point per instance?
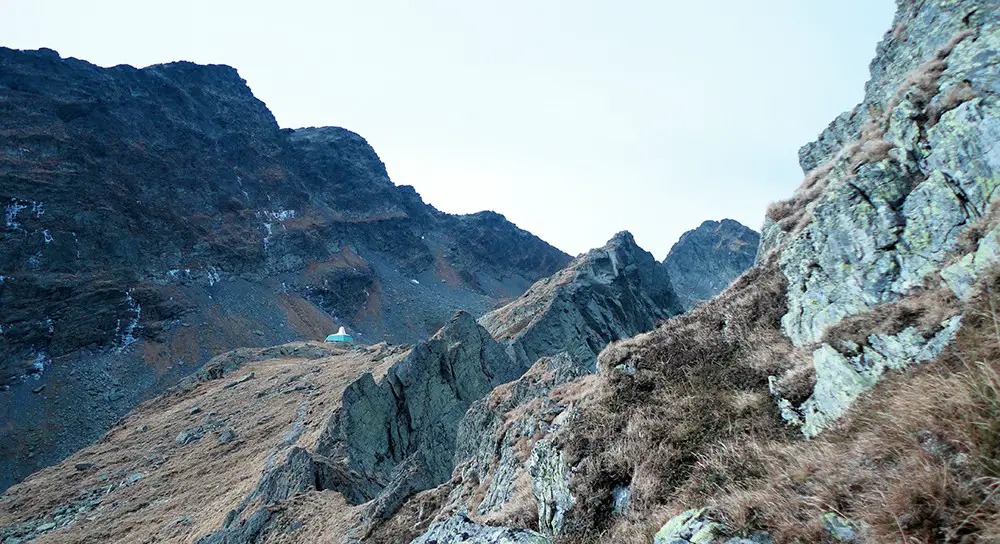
(341, 336)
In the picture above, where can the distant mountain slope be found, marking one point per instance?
(707, 259)
(156, 217)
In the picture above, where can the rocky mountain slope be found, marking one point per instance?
(156, 217)
(844, 389)
(704, 261)
(354, 431)
(866, 327)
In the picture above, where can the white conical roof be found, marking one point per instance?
(342, 331)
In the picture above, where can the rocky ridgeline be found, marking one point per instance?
(405, 432)
(501, 431)
(707, 259)
(156, 217)
(610, 293)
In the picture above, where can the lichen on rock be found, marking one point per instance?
(550, 484)
(459, 529)
(842, 378)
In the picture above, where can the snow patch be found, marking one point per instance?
(38, 366)
(125, 335)
(10, 215)
(213, 276)
(279, 215)
(16, 206)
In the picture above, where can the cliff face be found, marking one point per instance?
(156, 217)
(883, 262)
(903, 202)
(704, 261)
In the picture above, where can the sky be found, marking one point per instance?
(575, 119)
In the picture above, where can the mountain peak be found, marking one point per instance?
(705, 260)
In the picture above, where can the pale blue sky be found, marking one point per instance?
(575, 119)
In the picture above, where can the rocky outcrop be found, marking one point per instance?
(156, 217)
(893, 189)
(896, 201)
(697, 527)
(296, 474)
(515, 446)
(410, 416)
(841, 379)
(461, 530)
(704, 261)
(562, 322)
(609, 293)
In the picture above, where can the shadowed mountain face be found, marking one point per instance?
(156, 217)
(707, 259)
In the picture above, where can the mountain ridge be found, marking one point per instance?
(155, 217)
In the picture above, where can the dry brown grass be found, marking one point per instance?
(699, 379)
(925, 310)
(954, 97)
(187, 489)
(917, 460)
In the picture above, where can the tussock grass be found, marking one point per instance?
(683, 416)
(920, 87)
(699, 379)
(917, 460)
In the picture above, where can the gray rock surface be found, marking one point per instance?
(408, 431)
(294, 475)
(887, 221)
(915, 166)
(704, 261)
(487, 444)
(550, 485)
(962, 275)
(609, 293)
(414, 410)
(460, 529)
(696, 526)
(842, 378)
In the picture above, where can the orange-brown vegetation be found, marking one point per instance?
(152, 488)
(699, 379)
(917, 460)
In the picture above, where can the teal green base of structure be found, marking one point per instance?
(339, 338)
